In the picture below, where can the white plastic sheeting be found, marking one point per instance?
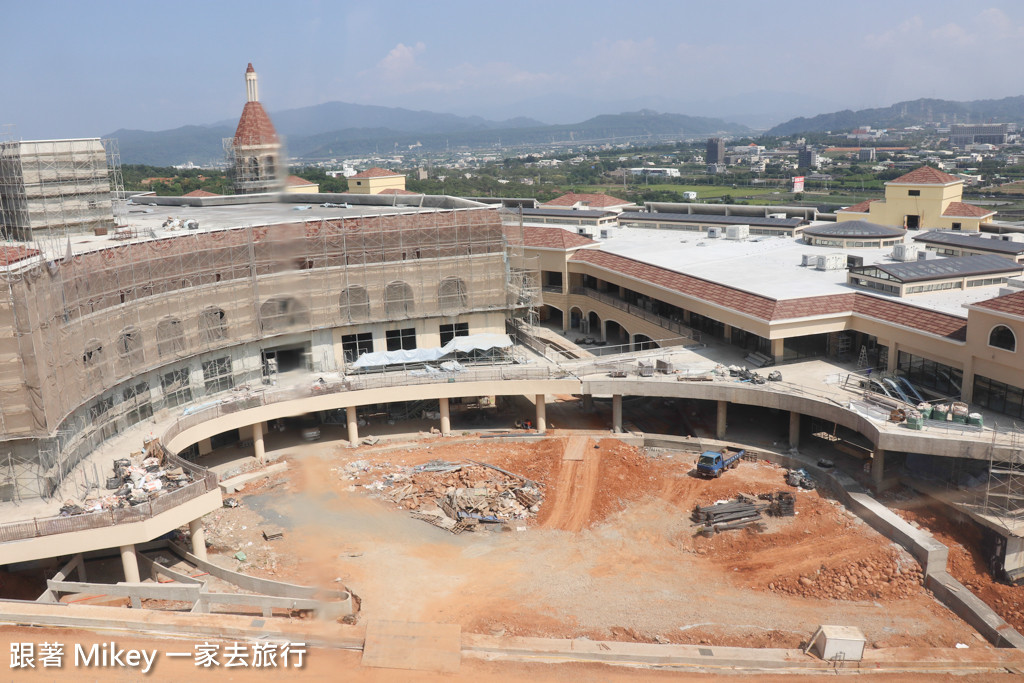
(474, 342)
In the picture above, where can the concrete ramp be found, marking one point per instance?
(413, 646)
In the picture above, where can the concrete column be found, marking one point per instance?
(778, 349)
(588, 402)
(727, 333)
(353, 426)
(617, 413)
(542, 411)
(878, 466)
(205, 447)
(195, 528)
(893, 357)
(686, 317)
(257, 443)
(720, 423)
(130, 563)
(446, 417)
(794, 429)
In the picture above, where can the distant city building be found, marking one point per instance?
(375, 181)
(866, 154)
(964, 134)
(715, 152)
(715, 169)
(254, 152)
(807, 158)
(662, 172)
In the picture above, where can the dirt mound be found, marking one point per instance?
(883, 576)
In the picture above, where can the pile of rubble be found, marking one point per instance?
(470, 496)
(888, 576)
(137, 479)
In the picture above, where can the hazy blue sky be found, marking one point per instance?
(87, 68)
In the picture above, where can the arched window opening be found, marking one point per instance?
(398, 300)
(451, 294)
(170, 337)
(355, 303)
(1002, 337)
(129, 344)
(213, 325)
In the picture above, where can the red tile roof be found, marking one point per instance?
(957, 209)
(296, 181)
(200, 193)
(554, 238)
(376, 172)
(862, 207)
(395, 190)
(757, 306)
(1009, 303)
(254, 127)
(13, 254)
(926, 175)
(593, 200)
(934, 322)
(249, 69)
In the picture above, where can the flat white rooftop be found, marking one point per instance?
(770, 265)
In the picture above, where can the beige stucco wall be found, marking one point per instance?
(376, 185)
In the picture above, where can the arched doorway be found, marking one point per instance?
(575, 316)
(551, 316)
(592, 326)
(615, 334)
(641, 342)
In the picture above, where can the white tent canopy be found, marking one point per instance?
(474, 342)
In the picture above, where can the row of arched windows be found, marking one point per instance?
(276, 314)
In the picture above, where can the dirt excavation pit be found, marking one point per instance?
(576, 537)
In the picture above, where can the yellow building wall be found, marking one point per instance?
(312, 188)
(376, 185)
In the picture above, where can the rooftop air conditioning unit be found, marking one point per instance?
(831, 262)
(606, 233)
(922, 255)
(809, 260)
(904, 252)
(776, 215)
(854, 261)
(714, 232)
(737, 232)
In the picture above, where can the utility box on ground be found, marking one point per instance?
(839, 643)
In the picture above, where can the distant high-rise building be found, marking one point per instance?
(255, 151)
(807, 158)
(715, 153)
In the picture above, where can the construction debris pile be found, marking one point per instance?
(742, 512)
(886, 575)
(470, 496)
(800, 478)
(137, 479)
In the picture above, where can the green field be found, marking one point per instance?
(703, 191)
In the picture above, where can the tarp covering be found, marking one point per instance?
(474, 342)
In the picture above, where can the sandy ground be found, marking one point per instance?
(611, 554)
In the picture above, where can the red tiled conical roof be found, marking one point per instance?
(255, 128)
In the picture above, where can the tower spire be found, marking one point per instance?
(252, 90)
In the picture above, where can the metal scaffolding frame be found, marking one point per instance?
(108, 334)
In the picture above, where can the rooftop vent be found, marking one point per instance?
(904, 252)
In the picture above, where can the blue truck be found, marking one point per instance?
(711, 464)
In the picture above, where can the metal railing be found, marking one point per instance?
(204, 481)
(639, 312)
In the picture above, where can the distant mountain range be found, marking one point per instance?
(901, 114)
(340, 129)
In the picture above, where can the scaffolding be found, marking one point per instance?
(1004, 489)
(50, 189)
(97, 337)
(256, 168)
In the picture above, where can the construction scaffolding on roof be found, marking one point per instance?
(50, 189)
